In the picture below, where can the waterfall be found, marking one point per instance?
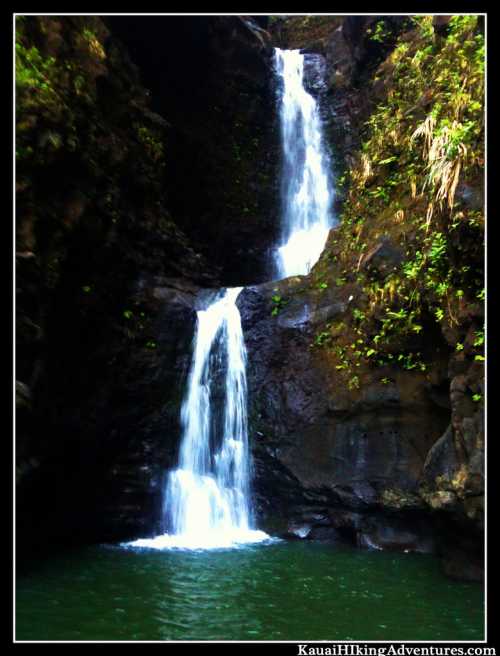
(207, 496)
(307, 195)
(207, 500)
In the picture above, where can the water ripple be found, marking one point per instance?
(286, 591)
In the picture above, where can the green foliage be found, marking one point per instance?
(322, 338)
(358, 315)
(94, 45)
(424, 25)
(422, 140)
(51, 94)
(411, 268)
(353, 383)
(152, 144)
(479, 340)
(380, 33)
(438, 248)
(36, 75)
(389, 160)
(32, 69)
(278, 304)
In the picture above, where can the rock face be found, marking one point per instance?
(364, 451)
(92, 223)
(381, 450)
(378, 467)
(114, 208)
(111, 424)
(224, 138)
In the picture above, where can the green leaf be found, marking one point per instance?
(479, 341)
(388, 160)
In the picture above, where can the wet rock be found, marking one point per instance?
(340, 57)
(383, 258)
(472, 197)
(300, 531)
(441, 459)
(314, 74)
(23, 396)
(396, 534)
(325, 534)
(352, 449)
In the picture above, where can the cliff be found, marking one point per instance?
(368, 373)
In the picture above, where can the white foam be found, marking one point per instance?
(197, 541)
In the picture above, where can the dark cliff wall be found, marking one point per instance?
(212, 79)
(114, 206)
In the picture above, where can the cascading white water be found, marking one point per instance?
(207, 498)
(207, 502)
(307, 194)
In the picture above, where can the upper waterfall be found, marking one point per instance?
(307, 192)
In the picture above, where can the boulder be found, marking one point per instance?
(383, 258)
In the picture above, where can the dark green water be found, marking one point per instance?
(285, 591)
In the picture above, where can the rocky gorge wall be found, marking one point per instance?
(109, 259)
(365, 407)
(376, 410)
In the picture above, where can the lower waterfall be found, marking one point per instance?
(207, 500)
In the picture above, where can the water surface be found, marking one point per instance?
(283, 591)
